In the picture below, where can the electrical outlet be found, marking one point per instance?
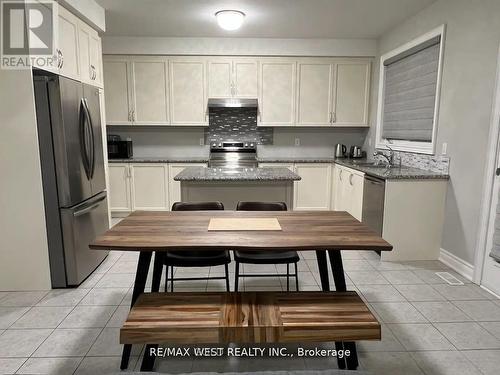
(444, 148)
(297, 141)
(202, 142)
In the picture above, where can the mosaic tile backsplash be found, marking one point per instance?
(434, 163)
(236, 124)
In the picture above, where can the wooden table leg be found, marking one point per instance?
(340, 286)
(140, 282)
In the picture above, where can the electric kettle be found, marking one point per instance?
(340, 150)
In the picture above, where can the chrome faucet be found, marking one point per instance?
(389, 159)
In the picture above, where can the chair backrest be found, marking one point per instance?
(197, 206)
(261, 206)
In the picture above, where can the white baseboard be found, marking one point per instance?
(459, 265)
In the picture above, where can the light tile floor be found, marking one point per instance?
(428, 326)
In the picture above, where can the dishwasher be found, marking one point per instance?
(373, 203)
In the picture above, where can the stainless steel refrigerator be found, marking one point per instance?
(72, 165)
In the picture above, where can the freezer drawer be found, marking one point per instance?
(81, 224)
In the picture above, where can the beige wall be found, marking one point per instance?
(24, 260)
(470, 61)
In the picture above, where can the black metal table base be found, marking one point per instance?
(351, 361)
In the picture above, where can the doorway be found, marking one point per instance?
(487, 267)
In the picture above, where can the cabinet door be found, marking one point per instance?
(352, 93)
(314, 99)
(313, 191)
(188, 101)
(84, 52)
(174, 187)
(67, 44)
(119, 187)
(149, 80)
(96, 59)
(356, 183)
(277, 93)
(149, 187)
(219, 79)
(116, 92)
(245, 78)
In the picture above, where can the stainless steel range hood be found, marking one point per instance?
(232, 103)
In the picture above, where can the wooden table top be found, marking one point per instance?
(188, 230)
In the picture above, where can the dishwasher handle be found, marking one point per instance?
(374, 180)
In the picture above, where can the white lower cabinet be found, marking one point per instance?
(144, 186)
(313, 191)
(348, 187)
(149, 186)
(119, 187)
(174, 187)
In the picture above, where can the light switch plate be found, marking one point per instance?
(202, 142)
(297, 141)
(444, 148)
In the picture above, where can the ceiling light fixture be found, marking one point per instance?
(230, 19)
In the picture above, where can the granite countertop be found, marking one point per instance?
(296, 159)
(236, 174)
(394, 173)
(161, 160)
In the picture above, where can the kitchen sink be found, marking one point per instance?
(379, 165)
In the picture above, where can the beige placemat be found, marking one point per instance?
(246, 223)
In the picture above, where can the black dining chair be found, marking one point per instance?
(265, 257)
(183, 259)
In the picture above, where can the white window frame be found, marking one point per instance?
(410, 146)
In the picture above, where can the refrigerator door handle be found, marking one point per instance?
(90, 130)
(83, 141)
(87, 208)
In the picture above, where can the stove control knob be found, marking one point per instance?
(220, 144)
(214, 144)
(246, 144)
(251, 144)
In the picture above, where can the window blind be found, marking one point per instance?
(410, 93)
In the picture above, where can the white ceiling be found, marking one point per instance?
(264, 18)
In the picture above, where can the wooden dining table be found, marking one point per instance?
(320, 231)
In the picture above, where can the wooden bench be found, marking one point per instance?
(249, 317)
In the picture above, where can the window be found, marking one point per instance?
(409, 94)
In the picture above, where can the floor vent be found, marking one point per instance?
(449, 278)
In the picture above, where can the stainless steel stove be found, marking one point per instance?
(231, 154)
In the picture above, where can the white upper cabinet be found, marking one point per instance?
(232, 78)
(188, 100)
(352, 85)
(245, 78)
(67, 44)
(314, 97)
(89, 46)
(117, 78)
(149, 92)
(220, 83)
(277, 92)
(313, 191)
(136, 91)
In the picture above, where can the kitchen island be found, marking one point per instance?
(230, 185)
